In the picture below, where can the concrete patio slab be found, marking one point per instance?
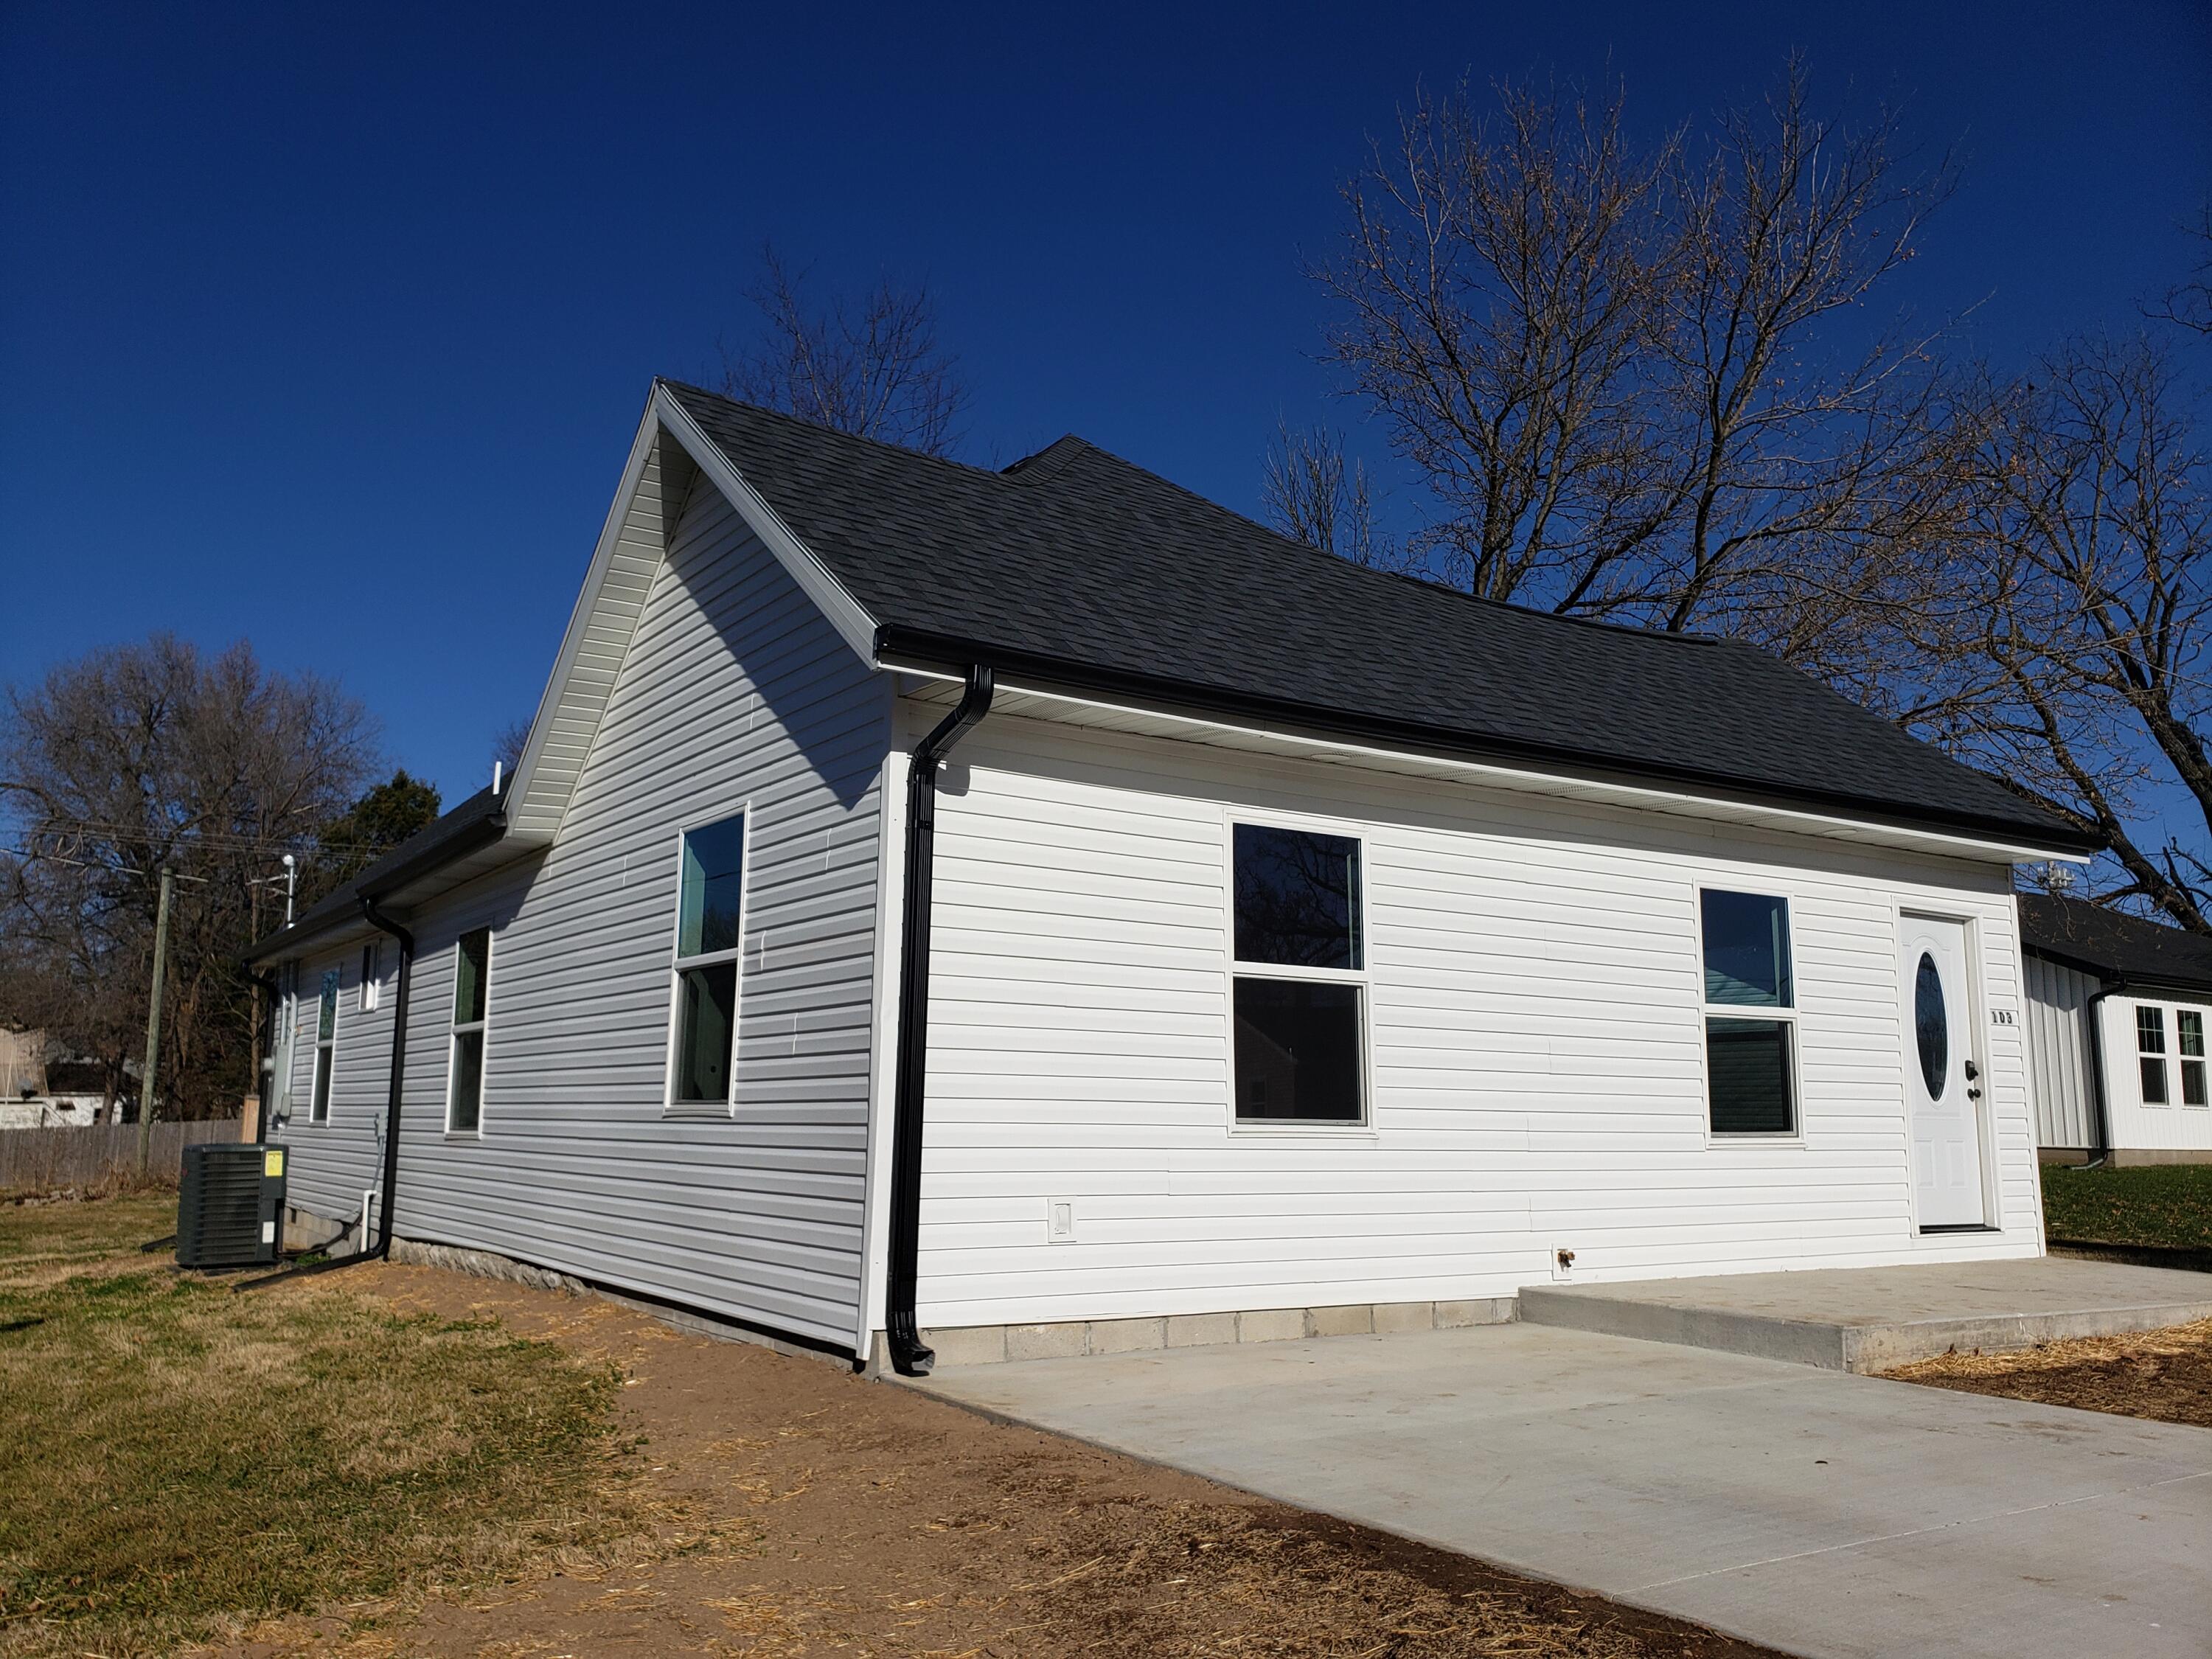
(1869, 1319)
(1820, 1513)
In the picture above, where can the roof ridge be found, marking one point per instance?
(905, 451)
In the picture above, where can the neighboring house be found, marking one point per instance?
(37, 1093)
(2118, 1011)
(1274, 934)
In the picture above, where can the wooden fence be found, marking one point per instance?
(47, 1160)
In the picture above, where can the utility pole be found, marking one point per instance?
(153, 1024)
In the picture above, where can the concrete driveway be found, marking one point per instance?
(1818, 1512)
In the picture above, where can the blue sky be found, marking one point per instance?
(329, 327)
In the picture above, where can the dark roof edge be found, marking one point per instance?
(940, 653)
(2118, 979)
(382, 880)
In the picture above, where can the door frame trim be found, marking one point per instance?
(1976, 1049)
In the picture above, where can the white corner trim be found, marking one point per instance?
(518, 784)
(1628, 795)
(855, 626)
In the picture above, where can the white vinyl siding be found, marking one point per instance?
(2138, 1123)
(1537, 1020)
(733, 690)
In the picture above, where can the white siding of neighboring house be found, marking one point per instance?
(735, 691)
(2061, 1064)
(1537, 1045)
(2135, 1125)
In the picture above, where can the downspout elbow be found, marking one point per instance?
(910, 1356)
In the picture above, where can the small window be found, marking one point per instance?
(1750, 1059)
(327, 1047)
(2150, 1054)
(372, 974)
(1301, 1035)
(709, 934)
(2188, 1029)
(465, 1065)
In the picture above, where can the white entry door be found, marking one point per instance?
(1942, 1080)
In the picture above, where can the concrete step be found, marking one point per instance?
(1871, 1319)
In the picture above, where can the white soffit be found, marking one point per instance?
(1066, 708)
(668, 456)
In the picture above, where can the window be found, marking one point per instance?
(2188, 1029)
(1300, 977)
(2150, 1054)
(371, 973)
(464, 1067)
(709, 934)
(326, 1044)
(1750, 1066)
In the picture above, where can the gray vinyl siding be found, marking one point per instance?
(336, 1162)
(2060, 1053)
(735, 691)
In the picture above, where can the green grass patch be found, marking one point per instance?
(2167, 1204)
(180, 1462)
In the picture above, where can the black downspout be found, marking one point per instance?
(2094, 1008)
(909, 1357)
(384, 924)
(265, 1086)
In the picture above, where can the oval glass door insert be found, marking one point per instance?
(1932, 1021)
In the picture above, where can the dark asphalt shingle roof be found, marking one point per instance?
(1077, 562)
(2115, 945)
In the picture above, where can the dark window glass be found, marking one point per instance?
(326, 1025)
(2188, 1026)
(1746, 950)
(2154, 1080)
(1749, 1061)
(1932, 1024)
(1298, 897)
(1298, 1051)
(466, 1110)
(319, 1109)
(706, 1008)
(472, 957)
(2150, 1031)
(713, 882)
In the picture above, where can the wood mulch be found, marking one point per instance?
(2163, 1375)
(849, 1516)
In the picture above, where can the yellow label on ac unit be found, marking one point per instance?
(272, 1163)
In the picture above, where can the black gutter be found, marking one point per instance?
(2094, 1009)
(363, 1250)
(910, 1357)
(897, 647)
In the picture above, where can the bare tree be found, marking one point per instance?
(508, 743)
(1631, 379)
(2062, 637)
(2189, 302)
(142, 756)
(872, 367)
(1312, 494)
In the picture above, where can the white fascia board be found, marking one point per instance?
(1722, 807)
(853, 625)
(572, 643)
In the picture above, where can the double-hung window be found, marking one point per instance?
(464, 1071)
(326, 1047)
(2189, 1033)
(1300, 975)
(1750, 1014)
(2150, 1054)
(709, 936)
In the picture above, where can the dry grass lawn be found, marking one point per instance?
(393, 1460)
(2163, 1375)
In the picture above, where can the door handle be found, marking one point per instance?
(1974, 1094)
(1972, 1071)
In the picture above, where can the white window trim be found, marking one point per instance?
(456, 1030)
(2170, 1013)
(1279, 1128)
(283, 1043)
(326, 1052)
(1794, 1136)
(697, 1109)
(372, 976)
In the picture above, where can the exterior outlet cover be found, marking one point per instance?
(1059, 1220)
(1563, 1263)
